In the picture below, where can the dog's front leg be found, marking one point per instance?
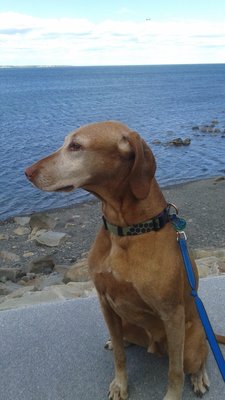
(118, 387)
(175, 331)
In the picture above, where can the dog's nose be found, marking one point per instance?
(29, 172)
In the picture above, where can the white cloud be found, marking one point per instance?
(27, 40)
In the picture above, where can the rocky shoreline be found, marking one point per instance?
(43, 257)
(213, 128)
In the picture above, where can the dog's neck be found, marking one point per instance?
(120, 207)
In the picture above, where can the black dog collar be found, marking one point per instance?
(154, 224)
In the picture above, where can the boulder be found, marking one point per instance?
(4, 290)
(209, 252)
(41, 265)
(11, 274)
(207, 266)
(219, 179)
(42, 221)
(221, 265)
(22, 221)
(40, 282)
(50, 238)
(204, 129)
(61, 269)
(156, 141)
(77, 272)
(28, 295)
(176, 142)
(186, 142)
(180, 142)
(21, 231)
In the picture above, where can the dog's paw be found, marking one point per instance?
(170, 396)
(200, 382)
(108, 345)
(117, 392)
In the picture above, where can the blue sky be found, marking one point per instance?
(75, 32)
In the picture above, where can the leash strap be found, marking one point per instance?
(182, 240)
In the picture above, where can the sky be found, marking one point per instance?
(115, 32)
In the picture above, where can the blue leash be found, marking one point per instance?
(182, 240)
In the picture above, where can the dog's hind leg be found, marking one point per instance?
(195, 355)
(132, 334)
(200, 382)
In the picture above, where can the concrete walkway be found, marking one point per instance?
(56, 351)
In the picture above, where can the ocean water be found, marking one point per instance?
(39, 106)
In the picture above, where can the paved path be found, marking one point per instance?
(56, 352)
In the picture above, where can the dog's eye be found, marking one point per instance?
(73, 146)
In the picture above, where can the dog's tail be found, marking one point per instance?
(220, 339)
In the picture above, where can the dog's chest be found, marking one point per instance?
(120, 276)
(124, 299)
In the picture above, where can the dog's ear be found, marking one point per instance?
(144, 166)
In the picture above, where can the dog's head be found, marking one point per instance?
(96, 155)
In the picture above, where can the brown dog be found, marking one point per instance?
(140, 279)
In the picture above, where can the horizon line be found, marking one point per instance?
(104, 65)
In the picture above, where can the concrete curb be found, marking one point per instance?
(56, 351)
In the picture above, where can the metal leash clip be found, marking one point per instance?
(181, 235)
(178, 223)
(171, 205)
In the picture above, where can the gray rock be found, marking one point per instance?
(186, 142)
(31, 275)
(195, 128)
(219, 179)
(207, 266)
(4, 236)
(77, 272)
(208, 252)
(176, 142)
(42, 221)
(22, 221)
(180, 142)
(21, 231)
(11, 274)
(156, 141)
(50, 238)
(210, 129)
(204, 129)
(28, 254)
(41, 282)
(221, 264)
(61, 269)
(41, 265)
(28, 295)
(4, 290)
(25, 279)
(8, 256)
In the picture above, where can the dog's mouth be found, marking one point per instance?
(68, 188)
